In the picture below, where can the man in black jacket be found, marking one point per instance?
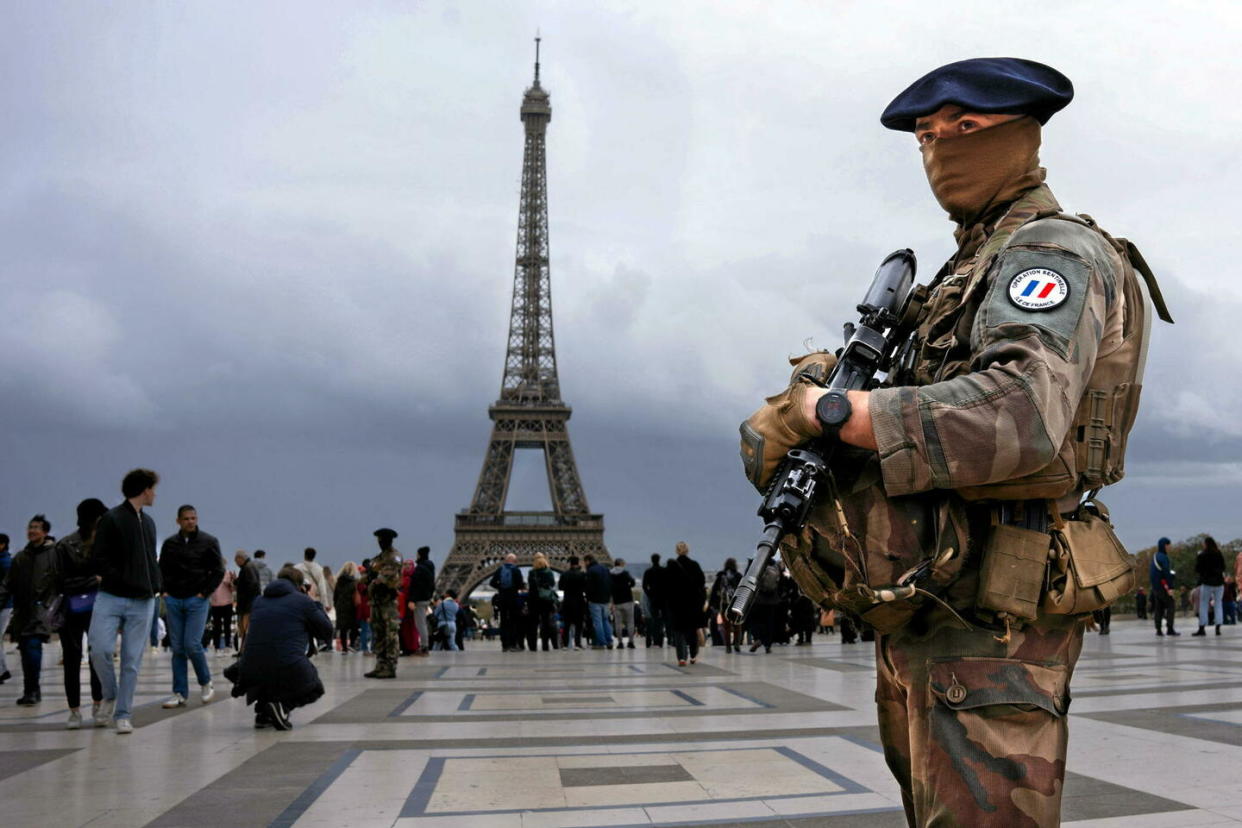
(422, 590)
(31, 582)
(573, 603)
(124, 554)
(191, 567)
(653, 592)
(598, 595)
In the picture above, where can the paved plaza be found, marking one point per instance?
(491, 740)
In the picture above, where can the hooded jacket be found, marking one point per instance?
(31, 583)
(274, 665)
(1160, 570)
(622, 585)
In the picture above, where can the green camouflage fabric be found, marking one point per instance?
(972, 713)
(974, 728)
(385, 625)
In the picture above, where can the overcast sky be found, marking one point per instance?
(267, 248)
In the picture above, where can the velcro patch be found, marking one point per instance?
(1038, 289)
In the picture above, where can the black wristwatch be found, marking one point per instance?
(833, 410)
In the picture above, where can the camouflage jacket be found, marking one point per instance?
(384, 574)
(987, 399)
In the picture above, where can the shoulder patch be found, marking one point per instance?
(1038, 289)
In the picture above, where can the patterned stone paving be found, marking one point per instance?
(627, 738)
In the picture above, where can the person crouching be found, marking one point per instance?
(274, 673)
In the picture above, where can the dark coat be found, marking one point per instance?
(246, 588)
(686, 592)
(191, 564)
(573, 589)
(723, 588)
(540, 580)
(124, 553)
(1210, 568)
(31, 582)
(598, 584)
(423, 581)
(274, 665)
(654, 587)
(75, 566)
(343, 600)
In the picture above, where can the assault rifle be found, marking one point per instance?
(872, 346)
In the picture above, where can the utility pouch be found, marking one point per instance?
(1011, 577)
(1089, 568)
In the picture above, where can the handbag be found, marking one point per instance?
(78, 604)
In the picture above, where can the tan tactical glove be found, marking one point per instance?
(781, 424)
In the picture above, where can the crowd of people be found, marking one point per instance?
(104, 585)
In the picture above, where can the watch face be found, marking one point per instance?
(833, 409)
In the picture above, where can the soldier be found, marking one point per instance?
(384, 577)
(970, 462)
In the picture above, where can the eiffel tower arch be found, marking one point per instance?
(529, 413)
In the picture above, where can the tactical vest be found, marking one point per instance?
(1092, 455)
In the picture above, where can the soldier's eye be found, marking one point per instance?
(926, 137)
(967, 126)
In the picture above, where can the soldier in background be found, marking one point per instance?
(384, 579)
(978, 450)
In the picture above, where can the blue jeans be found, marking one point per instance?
(449, 631)
(599, 620)
(131, 617)
(364, 636)
(187, 617)
(155, 624)
(1206, 595)
(31, 649)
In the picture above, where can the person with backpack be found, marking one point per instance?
(507, 581)
(767, 600)
(723, 588)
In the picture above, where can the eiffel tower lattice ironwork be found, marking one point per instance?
(530, 413)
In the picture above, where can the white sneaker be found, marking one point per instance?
(124, 726)
(177, 700)
(103, 713)
(75, 720)
(209, 693)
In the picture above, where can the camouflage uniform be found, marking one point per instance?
(385, 581)
(973, 720)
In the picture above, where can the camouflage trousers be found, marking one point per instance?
(974, 729)
(384, 627)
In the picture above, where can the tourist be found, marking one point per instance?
(446, 620)
(222, 614)
(274, 673)
(654, 601)
(721, 599)
(318, 586)
(77, 585)
(191, 568)
(541, 601)
(1163, 582)
(687, 596)
(622, 585)
(422, 590)
(30, 582)
(265, 572)
(507, 581)
(409, 636)
(247, 589)
(1210, 570)
(344, 598)
(598, 595)
(6, 604)
(124, 553)
(573, 604)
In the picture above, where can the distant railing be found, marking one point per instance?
(531, 519)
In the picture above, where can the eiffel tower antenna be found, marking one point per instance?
(529, 414)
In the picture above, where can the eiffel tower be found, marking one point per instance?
(529, 413)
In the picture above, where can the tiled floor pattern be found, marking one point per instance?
(610, 738)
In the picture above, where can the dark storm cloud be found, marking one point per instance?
(268, 249)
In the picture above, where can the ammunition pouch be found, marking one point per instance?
(1088, 568)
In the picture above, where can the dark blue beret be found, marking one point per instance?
(385, 533)
(1009, 85)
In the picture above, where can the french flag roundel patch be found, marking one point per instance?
(1038, 289)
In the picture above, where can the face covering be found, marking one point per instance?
(971, 173)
